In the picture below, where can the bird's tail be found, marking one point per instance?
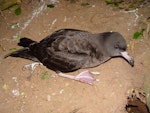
(24, 52)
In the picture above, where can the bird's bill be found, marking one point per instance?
(128, 58)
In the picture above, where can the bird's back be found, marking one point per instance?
(68, 50)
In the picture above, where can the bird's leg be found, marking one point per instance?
(84, 76)
(32, 67)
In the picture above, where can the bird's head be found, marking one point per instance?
(116, 46)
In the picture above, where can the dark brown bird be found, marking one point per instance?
(67, 50)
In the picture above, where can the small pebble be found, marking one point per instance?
(48, 98)
(95, 72)
(61, 91)
(16, 92)
(97, 80)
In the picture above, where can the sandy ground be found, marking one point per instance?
(59, 95)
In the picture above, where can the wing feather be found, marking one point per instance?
(68, 50)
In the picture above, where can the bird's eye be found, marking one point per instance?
(116, 46)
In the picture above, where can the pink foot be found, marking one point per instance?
(84, 76)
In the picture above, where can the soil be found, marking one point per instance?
(54, 94)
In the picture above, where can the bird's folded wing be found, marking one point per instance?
(64, 61)
(71, 50)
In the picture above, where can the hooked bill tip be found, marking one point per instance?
(128, 58)
(131, 62)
